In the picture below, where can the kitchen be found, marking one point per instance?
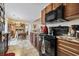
(54, 33)
(64, 19)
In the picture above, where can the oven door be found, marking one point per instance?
(50, 45)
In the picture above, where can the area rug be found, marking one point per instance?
(8, 54)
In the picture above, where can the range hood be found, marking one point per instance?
(60, 20)
(60, 14)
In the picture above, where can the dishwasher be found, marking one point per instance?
(49, 47)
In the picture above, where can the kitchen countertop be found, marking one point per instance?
(68, 38)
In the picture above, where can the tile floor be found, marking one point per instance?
(22, 48)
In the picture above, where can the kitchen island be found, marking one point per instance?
(67, 46)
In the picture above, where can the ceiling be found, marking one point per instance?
(25, 11)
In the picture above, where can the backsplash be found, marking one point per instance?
(67, 23)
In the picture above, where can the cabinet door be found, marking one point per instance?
(49, 8)
(55, 5)
(71, 10)
(43, 16)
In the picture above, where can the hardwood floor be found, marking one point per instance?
(23, 48)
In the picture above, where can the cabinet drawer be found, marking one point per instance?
(69, 48)
(70, 44)
(64, 52)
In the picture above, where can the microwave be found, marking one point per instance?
(51, 16)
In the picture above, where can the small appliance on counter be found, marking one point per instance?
(75, 30)
(77, 34)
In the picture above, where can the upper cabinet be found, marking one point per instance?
(55, 5)
(46, 10)
(43, 16)
(49, 8)
(71, 11)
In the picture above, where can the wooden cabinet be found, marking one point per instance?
(67, 48)
(44, 11)
(34, 39)
(43, 16)
(49, 8)
(55, 5)
(71, 10)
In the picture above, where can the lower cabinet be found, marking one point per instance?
(4, 43)
(67, 48)
(34, 39)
